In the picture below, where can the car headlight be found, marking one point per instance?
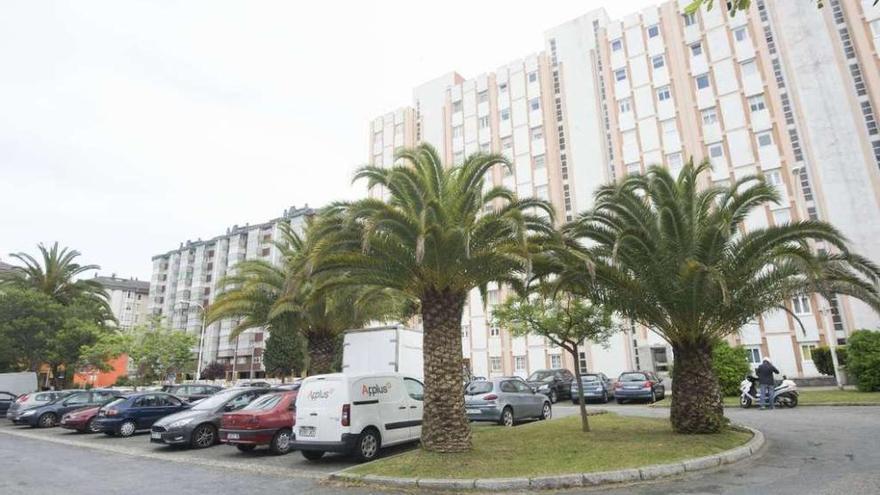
(28, 413)
(179, 423)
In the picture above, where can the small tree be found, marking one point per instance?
(213, 371)
(161, 352)
(863, 355)
(731, 364)
(564, 319)
(822, 359)
(285, 353)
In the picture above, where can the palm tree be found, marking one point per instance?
(283, 297)
(676, 257)
(56, 276)
(440, 234)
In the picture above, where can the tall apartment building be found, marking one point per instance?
(128, 298)
(784, 89)
(185, 283)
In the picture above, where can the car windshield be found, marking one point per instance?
(476, 388)
(264, 403)
(541, 376)
(589, 378)
(633, 377)
(214, 401)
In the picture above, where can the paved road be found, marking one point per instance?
(811, 450)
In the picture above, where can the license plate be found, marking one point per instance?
(632, 387)
(155, 435)
(232, 436)
(472, 411)
(306, 431)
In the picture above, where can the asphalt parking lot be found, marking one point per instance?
(821, 450)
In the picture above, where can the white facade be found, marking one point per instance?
(185, 282)
(794, 100)
(128, 299)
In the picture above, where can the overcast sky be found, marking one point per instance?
(127, 127)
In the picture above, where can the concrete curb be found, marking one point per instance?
(830, 404)
(645, 473)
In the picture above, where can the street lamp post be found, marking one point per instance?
(832, 341)
(201, 334)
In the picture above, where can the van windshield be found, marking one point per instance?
(477, 388)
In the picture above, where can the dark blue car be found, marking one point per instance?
(48, 415)
(126, 415)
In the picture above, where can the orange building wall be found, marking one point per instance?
(104, 379)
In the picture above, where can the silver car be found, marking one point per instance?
(34, 399)
(505, 401)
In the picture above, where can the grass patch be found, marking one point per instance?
(559, 447)
(812, 397)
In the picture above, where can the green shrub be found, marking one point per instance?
(731, 364)
(823, 362)
(863, 349)
(123, 381)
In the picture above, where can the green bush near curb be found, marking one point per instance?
(616, 442)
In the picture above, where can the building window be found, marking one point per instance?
(696, 49)
(756, 103)
(710, 116)
(582, 361)
(616, 45)
(690, 19)
(377, 139)
(535, 104)
(781, 217)
(495, 364)
(485, 147)
(458, 157)
(465, 330)
(740, 34)
(702, 81)
(533, 76)
(492, 297)
(807, 351)
(542, 192)
(519, 363)
(749, 68)
(664, 93)
(765, 139)
(670, 131)
(754, 353)
(633, 168)
(494, 331)
(502, 87)
(505, 114)
(625, 105)
(658, 62)
(773, 177)
(506, 143)
(653, 31)
(801, 305)
(482, 97)
(456, 106)
(537, 133)
(620, 75)
(674, 161)
(457, 131)
(540, 162)
(556, 361)
(265, 252)
(716, 150)
(484, 122)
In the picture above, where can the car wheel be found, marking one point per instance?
(653, 398)
(313, 455)
(203, 436)
(506, 417)
(281, 442)
(546, 411)
(91, 427)
(245, 447)
(620, 401)
(46, 420)
(367, 446)
(553, 396)
(127, 429)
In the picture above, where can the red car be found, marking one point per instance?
(268, 420)
(80, 420)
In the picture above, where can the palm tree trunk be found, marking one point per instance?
(445, 425)
(322, 352)
(696, 394)
(582, 403)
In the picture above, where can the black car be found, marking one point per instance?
(48, 415)
(198, 426)
(192, 392)
(554, 383)
(6, 401)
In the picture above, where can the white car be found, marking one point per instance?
(357, 414)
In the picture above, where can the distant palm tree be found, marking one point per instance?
(261, 294)
(55, 275)
(677, 258)
(442, 232)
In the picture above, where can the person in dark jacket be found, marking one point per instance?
(766, 383)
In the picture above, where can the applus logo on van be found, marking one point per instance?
(320, 394)
(371, 390)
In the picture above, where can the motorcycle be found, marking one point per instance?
(784, 395)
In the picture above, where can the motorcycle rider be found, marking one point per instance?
(765, 372)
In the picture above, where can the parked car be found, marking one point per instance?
(357, 414)
(48, 415)
(555, 383)
(597, 386)
(192, 392)
(81, 420)
(643, 385)
(33, 399)
(269, 420)
(127, 415)
(6, 401)
(505, 401)
(197, 426)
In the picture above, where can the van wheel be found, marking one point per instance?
(313, 455)
(367, 446)
(280, 442)
(506, 417)
(244, 447)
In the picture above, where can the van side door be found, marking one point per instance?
(416, 392)
(393, 407)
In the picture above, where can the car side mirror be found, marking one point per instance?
(229, 407)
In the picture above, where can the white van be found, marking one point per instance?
(357, 414)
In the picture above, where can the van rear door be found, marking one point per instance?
(319, 410)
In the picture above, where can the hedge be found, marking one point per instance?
(863, 359)
(823, 362)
